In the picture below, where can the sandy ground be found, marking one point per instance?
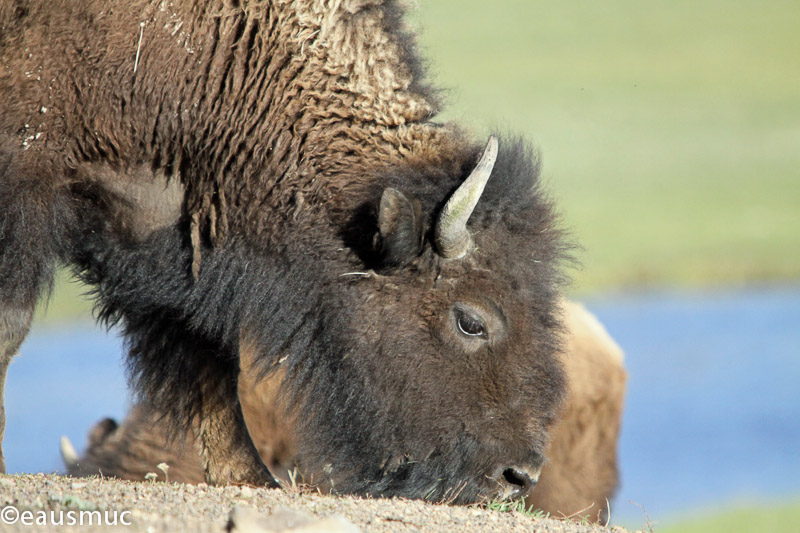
(31, 500)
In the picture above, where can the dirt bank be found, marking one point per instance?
(153, 507)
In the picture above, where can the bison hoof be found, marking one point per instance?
(256, 477)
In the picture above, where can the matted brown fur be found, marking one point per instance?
(322, 92)
(213, 169)
(579, 479)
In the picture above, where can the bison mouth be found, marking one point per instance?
(436, 480)
(506, 484)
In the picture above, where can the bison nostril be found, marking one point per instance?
(519, 481)
(515, 477)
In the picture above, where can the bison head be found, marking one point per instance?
(434, 371)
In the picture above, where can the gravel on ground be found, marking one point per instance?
(39, 502)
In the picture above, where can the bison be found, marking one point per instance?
(579, 477)
(265, 177)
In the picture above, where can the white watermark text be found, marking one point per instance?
(10, 515)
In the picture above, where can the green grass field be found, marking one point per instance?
(777, 518)
(670, 131)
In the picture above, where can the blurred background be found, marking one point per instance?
(670, 137)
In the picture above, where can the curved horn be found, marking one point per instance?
(68, 453)
(452, 238)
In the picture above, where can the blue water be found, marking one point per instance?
(62, 383)
(713, 408)
(712, 413)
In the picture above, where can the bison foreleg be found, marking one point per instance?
(227, 451)
(33, 220)
(191, 380)
(14, 325)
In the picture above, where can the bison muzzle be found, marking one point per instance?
(267, 174)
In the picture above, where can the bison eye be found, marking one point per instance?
(469, 325)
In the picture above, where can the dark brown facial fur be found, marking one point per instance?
(578, 479)
(464, 409)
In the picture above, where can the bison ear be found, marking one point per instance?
(399, 237)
